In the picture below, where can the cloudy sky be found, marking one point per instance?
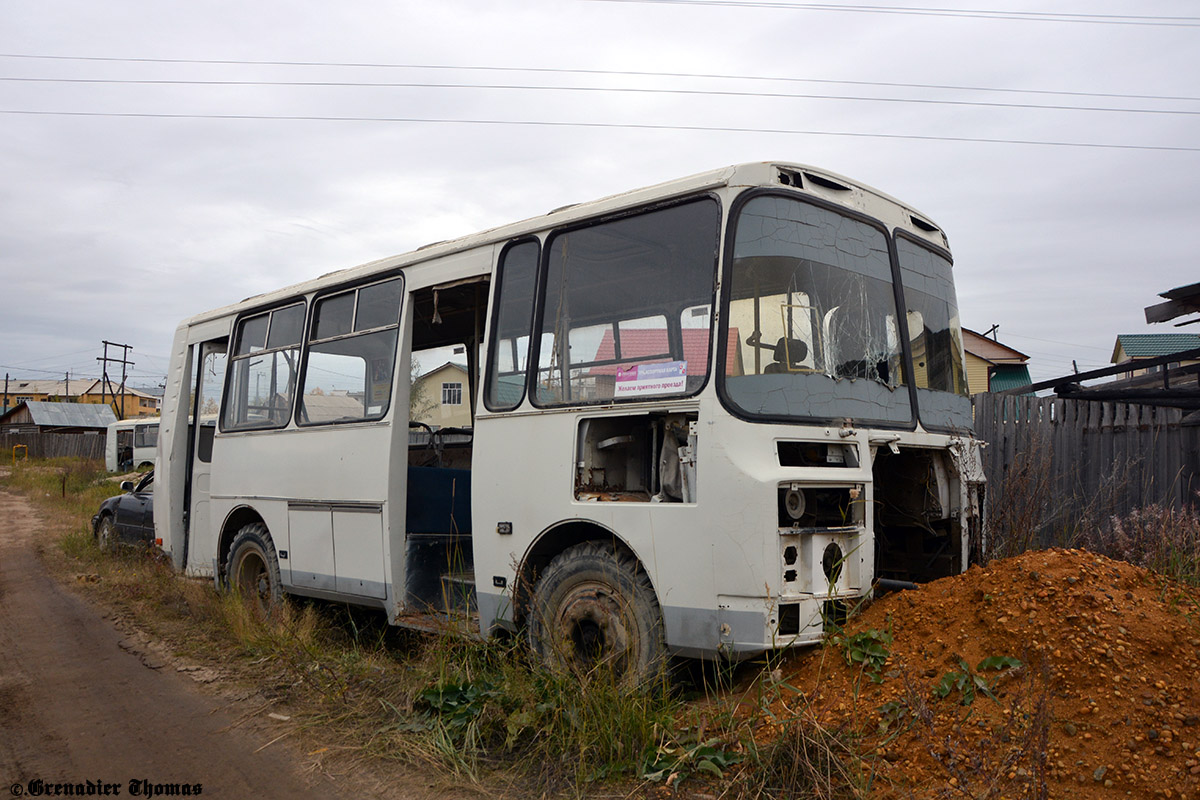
(160, 159)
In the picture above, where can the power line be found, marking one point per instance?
(613, 89)
(48, 358)
(608, 72)
(1055, 341)
(602, 125)
(1022, 16)
(32, 369)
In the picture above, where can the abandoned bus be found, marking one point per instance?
(705, 415)
(131, 443)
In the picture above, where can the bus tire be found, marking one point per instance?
(594, 610)
(106, 534)
(252, 569)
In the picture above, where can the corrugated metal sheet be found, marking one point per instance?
(1010, 376)
(71, 415)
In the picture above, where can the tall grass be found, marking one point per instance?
(1164, 540)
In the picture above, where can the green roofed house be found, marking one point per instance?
(992, 366)
(1143, 346)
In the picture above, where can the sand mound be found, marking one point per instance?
(1105, 702)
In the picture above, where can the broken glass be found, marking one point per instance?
(812, 323)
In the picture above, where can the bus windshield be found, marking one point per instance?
(812, 327)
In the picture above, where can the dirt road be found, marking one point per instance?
(81, 702)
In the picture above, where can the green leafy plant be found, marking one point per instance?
(456, 705)
(868, 649)
(967, 682)
(891, 713)
(674, 762)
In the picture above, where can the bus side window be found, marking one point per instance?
(613, 298)
(351, 355)
(264, 367)
(510, 331)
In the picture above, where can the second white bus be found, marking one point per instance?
(131, 444)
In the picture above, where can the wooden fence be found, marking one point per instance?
(53, 445)
(1089, 456)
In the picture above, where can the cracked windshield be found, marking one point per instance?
(813, 328)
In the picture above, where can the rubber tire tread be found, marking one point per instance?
(255, 535)
(601, 561)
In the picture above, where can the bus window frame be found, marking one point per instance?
(535, 343)
(493, 336)
(231, 359)
(944, 253)
(310, 323)
(730, 231)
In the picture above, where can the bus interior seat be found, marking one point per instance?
(788, 355)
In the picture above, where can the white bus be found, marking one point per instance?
(131, 444)
(707, 416)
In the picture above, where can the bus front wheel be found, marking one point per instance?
(252, 569)
(594, 612)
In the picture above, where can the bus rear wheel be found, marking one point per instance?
(252, 569)
(594, 612)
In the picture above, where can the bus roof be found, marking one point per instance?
(811, 180)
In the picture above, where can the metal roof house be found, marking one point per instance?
(992, 366)
(1134, 346)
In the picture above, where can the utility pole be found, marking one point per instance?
(125, 363)
(6, 393)
(67, 388)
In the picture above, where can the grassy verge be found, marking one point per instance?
(473, 711)
(483, 714)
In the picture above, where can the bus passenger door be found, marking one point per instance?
(200, 550)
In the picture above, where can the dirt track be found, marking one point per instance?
(80, 701)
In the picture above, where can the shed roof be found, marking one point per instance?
(1009, 376)
(67, 415)
(1153, 345)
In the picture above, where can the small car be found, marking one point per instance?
(127, 518)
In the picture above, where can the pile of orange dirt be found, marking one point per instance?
(1105, 701)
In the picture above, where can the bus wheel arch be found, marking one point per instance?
(237, 519)
(589, 603)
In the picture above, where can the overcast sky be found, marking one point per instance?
(141, 183)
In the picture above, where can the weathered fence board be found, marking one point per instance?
(53, 445)
(1130, 455)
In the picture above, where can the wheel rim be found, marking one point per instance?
(593, 629)
(104, 535)
(254, 582)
